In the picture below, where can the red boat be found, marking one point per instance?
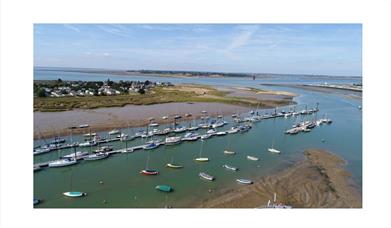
(149, 172)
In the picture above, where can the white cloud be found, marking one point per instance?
(72, 27)
(117, 30)
(244, 36)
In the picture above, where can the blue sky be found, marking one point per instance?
(327, 49)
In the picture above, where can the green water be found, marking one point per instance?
(123, 186)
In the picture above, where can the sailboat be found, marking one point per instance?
(173, 165)
(272, 150)
(63, 162)
(228, 151)
(201, 159)
(147, 171)
(73, 194)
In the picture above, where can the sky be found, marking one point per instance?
(321, 49)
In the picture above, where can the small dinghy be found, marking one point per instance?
(244, 181)
(164, 188)
(272, 150)
(230, 167)
(149, 172)
(74, 194)
(252, 158)
(201, 159)
(174, 166)
(206, 176)
(36, 201)
(228, 152)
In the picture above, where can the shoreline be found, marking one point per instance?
(318, 181)
(104, 119)
(323, 89)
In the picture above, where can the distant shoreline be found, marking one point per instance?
(188, 74)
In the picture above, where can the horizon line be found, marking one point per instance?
(224, 72)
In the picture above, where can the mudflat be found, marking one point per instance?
(319, 181)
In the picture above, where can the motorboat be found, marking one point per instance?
(150, 146)
(221, 133)
(96, 156)
(230, 167)
(190, 136)
(172, 140)
(180, 129)
(205, 136)
(244, 181)
(77, 155)
(252, 158)
(153, 124)
(104, 149)
(62, 162)
(93, 134)
(206, 176)
(88, 143)
(41, 151)
(211, 132)
(272, 150)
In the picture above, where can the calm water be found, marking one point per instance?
(125, 187)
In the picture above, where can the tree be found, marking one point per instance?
(41, 93)
(141, 91)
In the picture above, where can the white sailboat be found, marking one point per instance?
(228, 151)
(73, 194)
(200, 158)
(273, 150)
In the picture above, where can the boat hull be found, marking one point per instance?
(252, 158)
(244, 181)
(149, 172)
(206, 176)
(164, 188)
(201, 159)
(74, 194)
(170, 165)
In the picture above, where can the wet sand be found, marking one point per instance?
(49, 124)
(319, 181)
(357, 95)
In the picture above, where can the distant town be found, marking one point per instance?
(60, 88)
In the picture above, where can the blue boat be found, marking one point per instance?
(74, 194)
(36, 201)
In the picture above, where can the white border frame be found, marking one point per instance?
(17, 18)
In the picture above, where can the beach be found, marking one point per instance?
(49, 124)
(318, 181)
